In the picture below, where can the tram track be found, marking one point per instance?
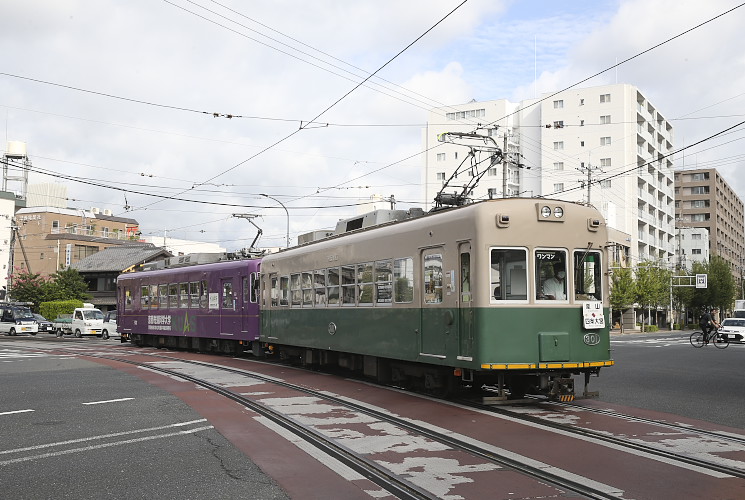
(375, 472)
(623, 443)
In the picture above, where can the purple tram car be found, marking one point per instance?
(206, 307)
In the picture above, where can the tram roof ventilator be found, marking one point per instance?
(370, 219)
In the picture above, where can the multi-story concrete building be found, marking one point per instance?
(704, 200)
(605, 145)
(691, 245)
(49, 239)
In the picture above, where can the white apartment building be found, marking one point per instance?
(611, 135)
(692, 245)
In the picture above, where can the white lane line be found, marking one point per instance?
(104, 445)
(16, 411)
(108, 401)
(104, 436)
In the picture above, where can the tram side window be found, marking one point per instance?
(306, 281)
(274, 292)
(348, 286)
(332, 286)
(228, 301)
(194, 295)
(587, 276)
(508, 274)
(384, 282)
(319, 287)
(162, 295)
(204, 295)
(183, 292)
(433, 278)
(127, 298)
(157, 296)
(550, 274)
(173, 296)
(255, 283)
(296, 294)
(246, 289)
(284, 291)
(365, 284)
(145, 297)
(403, 276)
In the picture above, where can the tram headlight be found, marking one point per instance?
(558, 212)
(546, 212)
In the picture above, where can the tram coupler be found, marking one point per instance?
(562, 389)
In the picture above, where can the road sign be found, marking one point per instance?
(701, 280)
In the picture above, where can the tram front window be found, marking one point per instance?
(508, 275)
(587, 275)
(550, 275)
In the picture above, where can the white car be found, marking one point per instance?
(734, 329)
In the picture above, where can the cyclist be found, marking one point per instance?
(708, 323)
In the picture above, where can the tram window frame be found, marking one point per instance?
(306, 284)
(383, 282)
(296, 292)
(273, 290)
(432, 281)
(403, 280)
(228, 295)
(365, 284)
(319, 287)
(173, 295)
(333, 287)
(580, 273)
(193, 295)
(284, 291)
(545, 261)
(162, 301)
(204, 294)
(254, 283)
(127, 297)
(510, 272)
(144, 296)
(183, 292)
(245, 289)
(348, 286)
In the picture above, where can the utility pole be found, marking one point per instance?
(505, 162)
(588, 170)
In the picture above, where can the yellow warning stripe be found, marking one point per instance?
(545, 366)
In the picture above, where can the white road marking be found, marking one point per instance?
(108, 401)
(16, 411)
(104, 436)
(104, 445)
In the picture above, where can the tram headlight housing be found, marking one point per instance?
(558, 212)
(546, 212)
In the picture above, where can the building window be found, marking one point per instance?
(605, 120)
(700, 217)
(605, 141)
(492, 193)
(440, 156)
(696, 236)
(559, 145)
(581, 102)
(440, 176)
(605, 162)
(559, 165)
(604, 98)
(699, 203)
(55, 227)
(700, 190)
(696, 251)
(559, 104)
(605, 183)
(559, 186)
(491, 172)
(701, 176)
(559, 124)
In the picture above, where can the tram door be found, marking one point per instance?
(229, 317)
(465, 305)
(438, 302)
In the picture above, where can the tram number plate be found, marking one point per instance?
(592, 315)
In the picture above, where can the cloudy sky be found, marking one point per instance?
(117, 99)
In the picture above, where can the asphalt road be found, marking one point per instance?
(663, 372)
(60, 419)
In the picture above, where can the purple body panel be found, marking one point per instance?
(214, 301)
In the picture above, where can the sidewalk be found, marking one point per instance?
(631, 331)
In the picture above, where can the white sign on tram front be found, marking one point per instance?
(592, 314)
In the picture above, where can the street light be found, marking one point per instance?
(286, 212)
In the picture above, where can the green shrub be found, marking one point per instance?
(651, 328)
(54, 309)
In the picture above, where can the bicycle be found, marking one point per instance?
(720, 341)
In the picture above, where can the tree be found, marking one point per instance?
(28, 287)
(68, 284)
(682, 295)
(652, 285)
(623, 290)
